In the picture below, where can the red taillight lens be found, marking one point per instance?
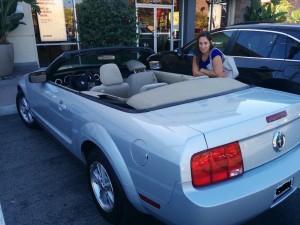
(216, 164)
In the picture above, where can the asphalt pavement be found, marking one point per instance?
(41, 184)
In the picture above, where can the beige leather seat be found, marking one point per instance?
(142, 81)
(135, 66)
(112, 81)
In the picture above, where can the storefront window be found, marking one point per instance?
(177, 24)
(47, 53)
(159, 25)
(46, 18)
(210, 15)
(168, 2)
(55, 29)
(219, 14)
(146, 27)
(202, 16)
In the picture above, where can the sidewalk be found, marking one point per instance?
(8, 90)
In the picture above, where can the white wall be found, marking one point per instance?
(23, 39)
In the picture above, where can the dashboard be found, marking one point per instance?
(80, 80)
(83, 78)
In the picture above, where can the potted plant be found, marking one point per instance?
(10, 19)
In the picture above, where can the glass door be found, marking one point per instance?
(163, 20)
(155, 26)
(145, 27)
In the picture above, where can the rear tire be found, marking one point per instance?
(107, 190)
(24, 111)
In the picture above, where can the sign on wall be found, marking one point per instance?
(51, 20)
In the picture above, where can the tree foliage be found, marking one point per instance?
(9, 18)
(106, 23)
(265, 12)
(284, 6)
(295, 16)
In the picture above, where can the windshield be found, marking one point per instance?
(104, 56)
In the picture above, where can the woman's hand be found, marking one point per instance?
(199, 73)
(209, 73)
(196, 71)
(218, 70)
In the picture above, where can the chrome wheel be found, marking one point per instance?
(25, 110)
(102, 186)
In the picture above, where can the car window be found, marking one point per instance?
(279, 49)
(293, 49)
(221, 39)
(254, 44)
(190, 49)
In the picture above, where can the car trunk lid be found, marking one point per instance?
(242, 116)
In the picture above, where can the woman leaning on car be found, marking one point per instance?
(204, 53)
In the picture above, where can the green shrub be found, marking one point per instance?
(103, 23)
(295, 16)
(265, 12)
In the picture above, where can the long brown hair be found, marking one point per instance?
(197, 51)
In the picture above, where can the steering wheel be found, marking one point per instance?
(80, 82)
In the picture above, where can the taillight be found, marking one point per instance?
(216, 164)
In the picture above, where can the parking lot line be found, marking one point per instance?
(2, 222)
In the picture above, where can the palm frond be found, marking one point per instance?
(9, 18)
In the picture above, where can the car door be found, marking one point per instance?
(52, 105)
(253, 51)
(181, 61)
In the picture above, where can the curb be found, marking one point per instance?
(8, 110)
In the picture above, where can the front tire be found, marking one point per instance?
(24, 111)
(107, 190)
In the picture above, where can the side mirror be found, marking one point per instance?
(38, 77)
(155, 65)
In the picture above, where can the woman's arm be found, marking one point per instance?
(218, 70)
(196, 70)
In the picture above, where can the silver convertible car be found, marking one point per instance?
(189, 151)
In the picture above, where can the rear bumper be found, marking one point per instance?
(236, 200)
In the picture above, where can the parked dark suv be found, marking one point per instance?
(266, 55)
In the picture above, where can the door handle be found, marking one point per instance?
(61, 106)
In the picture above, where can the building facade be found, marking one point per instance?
(161, 24)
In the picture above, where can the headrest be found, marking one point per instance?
(134, 65)
(110, 74)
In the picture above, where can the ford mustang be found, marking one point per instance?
(167, 144)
